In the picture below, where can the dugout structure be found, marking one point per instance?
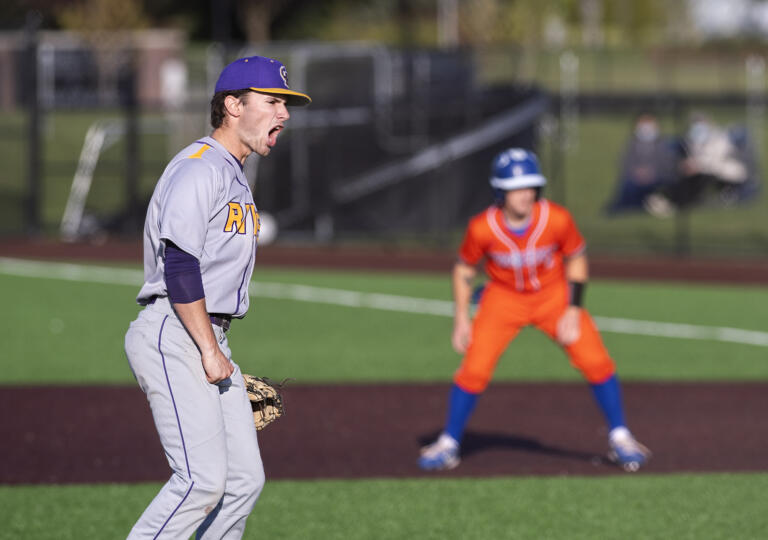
(396, 144)
(401, 148)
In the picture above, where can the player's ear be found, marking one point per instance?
(233, 105)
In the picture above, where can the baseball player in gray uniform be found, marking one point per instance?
(199, 245)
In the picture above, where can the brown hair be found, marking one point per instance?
(218, 111)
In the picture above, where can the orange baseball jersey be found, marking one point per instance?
(527, 262)
(528, 287)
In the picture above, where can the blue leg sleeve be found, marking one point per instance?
(460, 408)
(608, 397)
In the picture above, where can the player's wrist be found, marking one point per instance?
(461, 317)
(210, 351)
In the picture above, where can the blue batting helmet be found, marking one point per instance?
(516, 168)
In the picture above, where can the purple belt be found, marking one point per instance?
(219, 319)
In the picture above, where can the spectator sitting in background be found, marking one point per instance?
(710, 162)
(647, 165)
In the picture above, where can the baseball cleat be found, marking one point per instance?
(443, 454)
(626, 451)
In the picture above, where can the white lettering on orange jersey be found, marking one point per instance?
(529, 261)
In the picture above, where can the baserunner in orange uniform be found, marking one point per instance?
(535, 258)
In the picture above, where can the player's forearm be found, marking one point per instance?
(463, 278)
(195, 318)
(185, 291)
(577, 269)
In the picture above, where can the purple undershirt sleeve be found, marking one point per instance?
(182, 275)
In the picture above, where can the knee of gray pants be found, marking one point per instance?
(207, 492)
(247, 484)
(256, 481)
(209, 484)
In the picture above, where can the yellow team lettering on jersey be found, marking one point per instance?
(236, 219)
(199, 153)
(256, 220)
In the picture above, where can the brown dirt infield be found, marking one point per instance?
(106, 434)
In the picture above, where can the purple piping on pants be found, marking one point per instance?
(176, 411)
(174, 510)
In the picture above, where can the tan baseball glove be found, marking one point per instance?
(266, 400)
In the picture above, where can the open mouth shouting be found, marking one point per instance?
(273, 133)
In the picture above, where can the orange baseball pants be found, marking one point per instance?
(500, 316)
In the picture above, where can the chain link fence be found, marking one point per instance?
(395, 147)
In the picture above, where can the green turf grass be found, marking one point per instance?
(72, 332)
(710, 506)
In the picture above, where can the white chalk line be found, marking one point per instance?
(387, 302)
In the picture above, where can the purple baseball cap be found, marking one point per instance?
(262, 75)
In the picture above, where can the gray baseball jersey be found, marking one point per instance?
(202, 203)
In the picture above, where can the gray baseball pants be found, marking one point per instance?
(206, 430)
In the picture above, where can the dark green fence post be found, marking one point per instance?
(130, 104)
(34, 138)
